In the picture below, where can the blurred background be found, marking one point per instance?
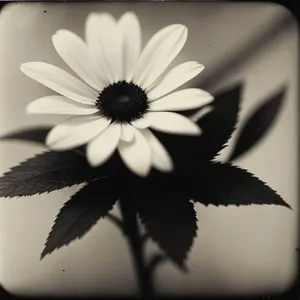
(238, 250)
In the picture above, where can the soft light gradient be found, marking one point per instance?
(238, 250)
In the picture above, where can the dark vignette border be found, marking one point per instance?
(294, 291)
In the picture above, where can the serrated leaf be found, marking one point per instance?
(258, 124)
(36, 134)
(225, 184)
(169, 218)
(81, 213)
(217, 127)
(45, 172)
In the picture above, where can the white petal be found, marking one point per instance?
(140, 123)
(172, 123)
(59, 105)
(103, 38)
(201, 113)
(161, 159)
(127, 132)
(174, 79)
(137, 154)
(182, 100)
(60, 81)
(75, 131)
(130, 31)
(160, 51)
(103, 146)
(78, 57)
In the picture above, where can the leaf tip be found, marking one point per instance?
(287, 205)
(184, 268)
(43, 254)
(180, 262)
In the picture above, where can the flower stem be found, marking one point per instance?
(132, 232)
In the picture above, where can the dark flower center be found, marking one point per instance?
(122, 101)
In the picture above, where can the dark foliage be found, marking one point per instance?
(258, 124)
(168, 216)
(217, 126)
(45, 172)
(80, 213)
(36, 134)
(225, 184)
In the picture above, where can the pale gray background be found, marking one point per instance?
(246, 249)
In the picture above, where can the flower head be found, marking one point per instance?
(122, 94)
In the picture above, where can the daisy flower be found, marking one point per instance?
(122, 92)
